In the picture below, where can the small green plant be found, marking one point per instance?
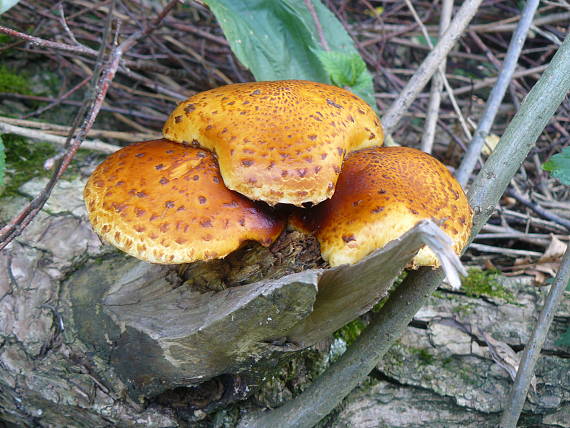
(279, 40)
(559, 166)
(485, 283)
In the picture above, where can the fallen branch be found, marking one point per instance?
(517, 397)
(55, 129)
(99, 146)
(539, 210)
(497, 93)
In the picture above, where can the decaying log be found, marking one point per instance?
(159, 332)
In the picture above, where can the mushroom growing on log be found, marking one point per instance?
(165, 202)
(278, 142)
(382, 192)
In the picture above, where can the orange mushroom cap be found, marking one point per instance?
(381, 193)
(164, 202)
(279, 142)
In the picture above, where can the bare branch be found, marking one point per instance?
(517, 397)
(429, 66)
(37, 41)
(99, 146)
(497, 94)
(436, 85)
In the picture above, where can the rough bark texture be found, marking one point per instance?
(440, 375)
(89, 336)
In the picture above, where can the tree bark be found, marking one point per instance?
(88, 335)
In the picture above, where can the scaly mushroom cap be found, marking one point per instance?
(278, 142)
(381, 193)
(163, 202)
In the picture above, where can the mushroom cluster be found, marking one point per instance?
(231, 154)
(383, 192)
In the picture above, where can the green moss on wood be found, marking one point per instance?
(14, 81)
(485, 283)
(24, 161)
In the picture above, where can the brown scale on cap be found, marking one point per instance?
(279, 142)
(382, 193)
(164, 202)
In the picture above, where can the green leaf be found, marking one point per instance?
(559, 166)
(279, 40)
(7, 4)
(348, 70)
(2, 163)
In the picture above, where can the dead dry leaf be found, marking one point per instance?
(554, 252)
(491, 142)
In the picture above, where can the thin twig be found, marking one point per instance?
(101, 85)
(99, 146)
(142, 115)
(311, 8)
(491, 57)
(498, 92)
(430, 64)
(484, 83)
(441, 74)
(54, 129)
(59, 99)
(535, 221)
(504, 251)
(63, 22)
(436, 85)
(38, 41)
(515, 402)
(507, 25)
(538, 209)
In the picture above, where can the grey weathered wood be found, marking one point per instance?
(158, 332)
(351, 290)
